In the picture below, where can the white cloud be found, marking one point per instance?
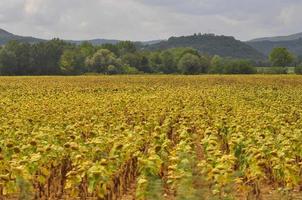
(291, 15)
(32, 6)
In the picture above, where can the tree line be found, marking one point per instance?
(56, 57)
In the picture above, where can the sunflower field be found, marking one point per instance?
(151, 137)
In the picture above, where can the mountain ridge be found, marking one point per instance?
(5, 33)
(225, 46)
(6, 36)
(278, 38)
(265, 47)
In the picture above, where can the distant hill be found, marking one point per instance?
(291, 42)
(151, 42)
(5, 37)
(94, 41)
(224, 46)
(279, 38)
(105, 41)
(265, 47)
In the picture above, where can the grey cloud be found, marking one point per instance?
(8, 11)
(149, 19)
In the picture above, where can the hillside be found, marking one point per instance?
(265, 47)
(279, 38)
(211, 44)
(5, 37)
(94, 41)
(266, 44)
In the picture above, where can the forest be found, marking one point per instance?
(58, 57)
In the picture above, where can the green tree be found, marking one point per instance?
(168, 64)
(125, 47)
(190, 64)
(8, 62)
(72, 61)
(16, 58)
(155, 61)
(298, 69)
(299, 59)
(238, 66)
(111, 69)
(111, 47)
(46, 56)
(129, 70)
(281, 57)
(178, 53)
(132, 59)
(137, 60)
(87, 49)
(54, 50)
(205, 63)
(145, 65)
(100, 61)
(216, 65)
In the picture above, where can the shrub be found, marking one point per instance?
(193, 64)
(111, 69)
(298, 69)
(281, 57)
(130, 70)
(231, 66)
(277, 70)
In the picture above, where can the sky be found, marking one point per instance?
(140, 20)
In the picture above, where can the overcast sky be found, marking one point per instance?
(150, 19)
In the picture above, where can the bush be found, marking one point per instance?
(100, 61)
(231, 66)
(298, 69)
(272, 70)
(216, 65)
(111, 69)
(192, 64)
(239, 67)
(281, 57)
(130, 70)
